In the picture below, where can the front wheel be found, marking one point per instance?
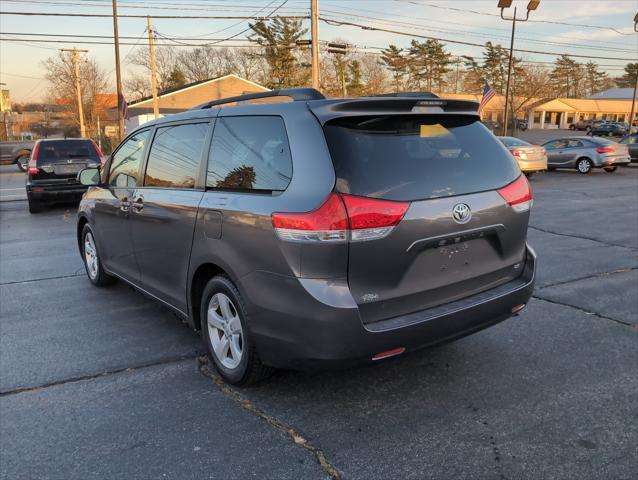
(584, 165)
(610, 169)
(92, 262)
(225, 331)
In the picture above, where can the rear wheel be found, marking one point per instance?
(23, 161)
(225, 331)
(610, 169)
(584, 165)
(92, 262)
(529, 174)
(35, 206)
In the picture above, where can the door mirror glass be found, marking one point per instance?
(89, 176)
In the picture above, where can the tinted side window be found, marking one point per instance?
(126, 161)
(175, 156)
(250, 153)
(574, 144)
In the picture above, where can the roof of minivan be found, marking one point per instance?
(329, 108)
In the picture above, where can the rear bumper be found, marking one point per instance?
(610, 161)
(527, 166)
(293, 329)
(55, 191)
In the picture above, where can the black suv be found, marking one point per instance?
(53, 168)
(315, 232)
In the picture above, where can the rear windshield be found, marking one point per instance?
(602, 141)
(52, 151)
(514, 142)
(414, 157)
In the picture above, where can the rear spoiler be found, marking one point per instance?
(364, 106)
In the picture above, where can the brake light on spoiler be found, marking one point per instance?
(341, 218)
(518, 194)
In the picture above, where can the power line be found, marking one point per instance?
(458, 42)
(172, 17)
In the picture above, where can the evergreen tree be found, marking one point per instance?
(175, 79)
(277, 37)
(428, 63)
(396, 62)
(567, 77)
(355, 85)
(594, 79)
(628, 80)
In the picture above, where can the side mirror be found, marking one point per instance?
(89, 176)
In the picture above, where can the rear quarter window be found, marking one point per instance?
(414, 157)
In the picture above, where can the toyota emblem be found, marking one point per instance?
(461, 213)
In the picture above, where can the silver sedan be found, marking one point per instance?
(585, 153)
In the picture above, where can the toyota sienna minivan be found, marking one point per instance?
(315, 232)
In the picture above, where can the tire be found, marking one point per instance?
(92, 263)
(35, 206)
(226, 334)
(572, 128)
(23, 161)
(610, 169)
(529, 174)
(584, 165)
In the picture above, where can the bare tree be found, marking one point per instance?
(94, 85)
(165, 62)
(137, 86)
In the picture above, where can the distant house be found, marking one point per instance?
(549, 113)
(187, 96)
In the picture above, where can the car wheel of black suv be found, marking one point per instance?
(35, 206)
(225, 331)
(92, 262)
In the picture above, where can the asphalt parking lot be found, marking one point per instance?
(103, 383)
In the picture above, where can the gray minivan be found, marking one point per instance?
(315, 232)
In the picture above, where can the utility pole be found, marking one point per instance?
(118, 75)
(314, 30)
(633, 105)
(503, 4)
(78, 90)
(151, 46)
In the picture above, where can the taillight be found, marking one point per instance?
(33, 161)
(515, 152)
(328, 223)
(518, 194)
(605, 150)
(339, 218)
(99, 152)
(370, 218)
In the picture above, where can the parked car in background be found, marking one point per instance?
(316, 232)
(53, 168)
(530, 158)
(608, 129)
(521, 124)
(586, 125)
(632, 144)
(585, 153)
(16, 153)
(493, 126)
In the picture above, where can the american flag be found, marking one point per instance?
(124, 107)
(488, 94)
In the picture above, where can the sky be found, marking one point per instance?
(593, 28)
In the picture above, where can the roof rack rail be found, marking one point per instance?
(297, 94)
(406, 94)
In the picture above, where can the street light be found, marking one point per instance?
(503, 4)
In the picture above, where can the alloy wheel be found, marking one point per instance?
(225, 331)
(584, 166)
(90, 256)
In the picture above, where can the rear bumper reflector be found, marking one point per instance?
(518, 308)
(389, 353)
